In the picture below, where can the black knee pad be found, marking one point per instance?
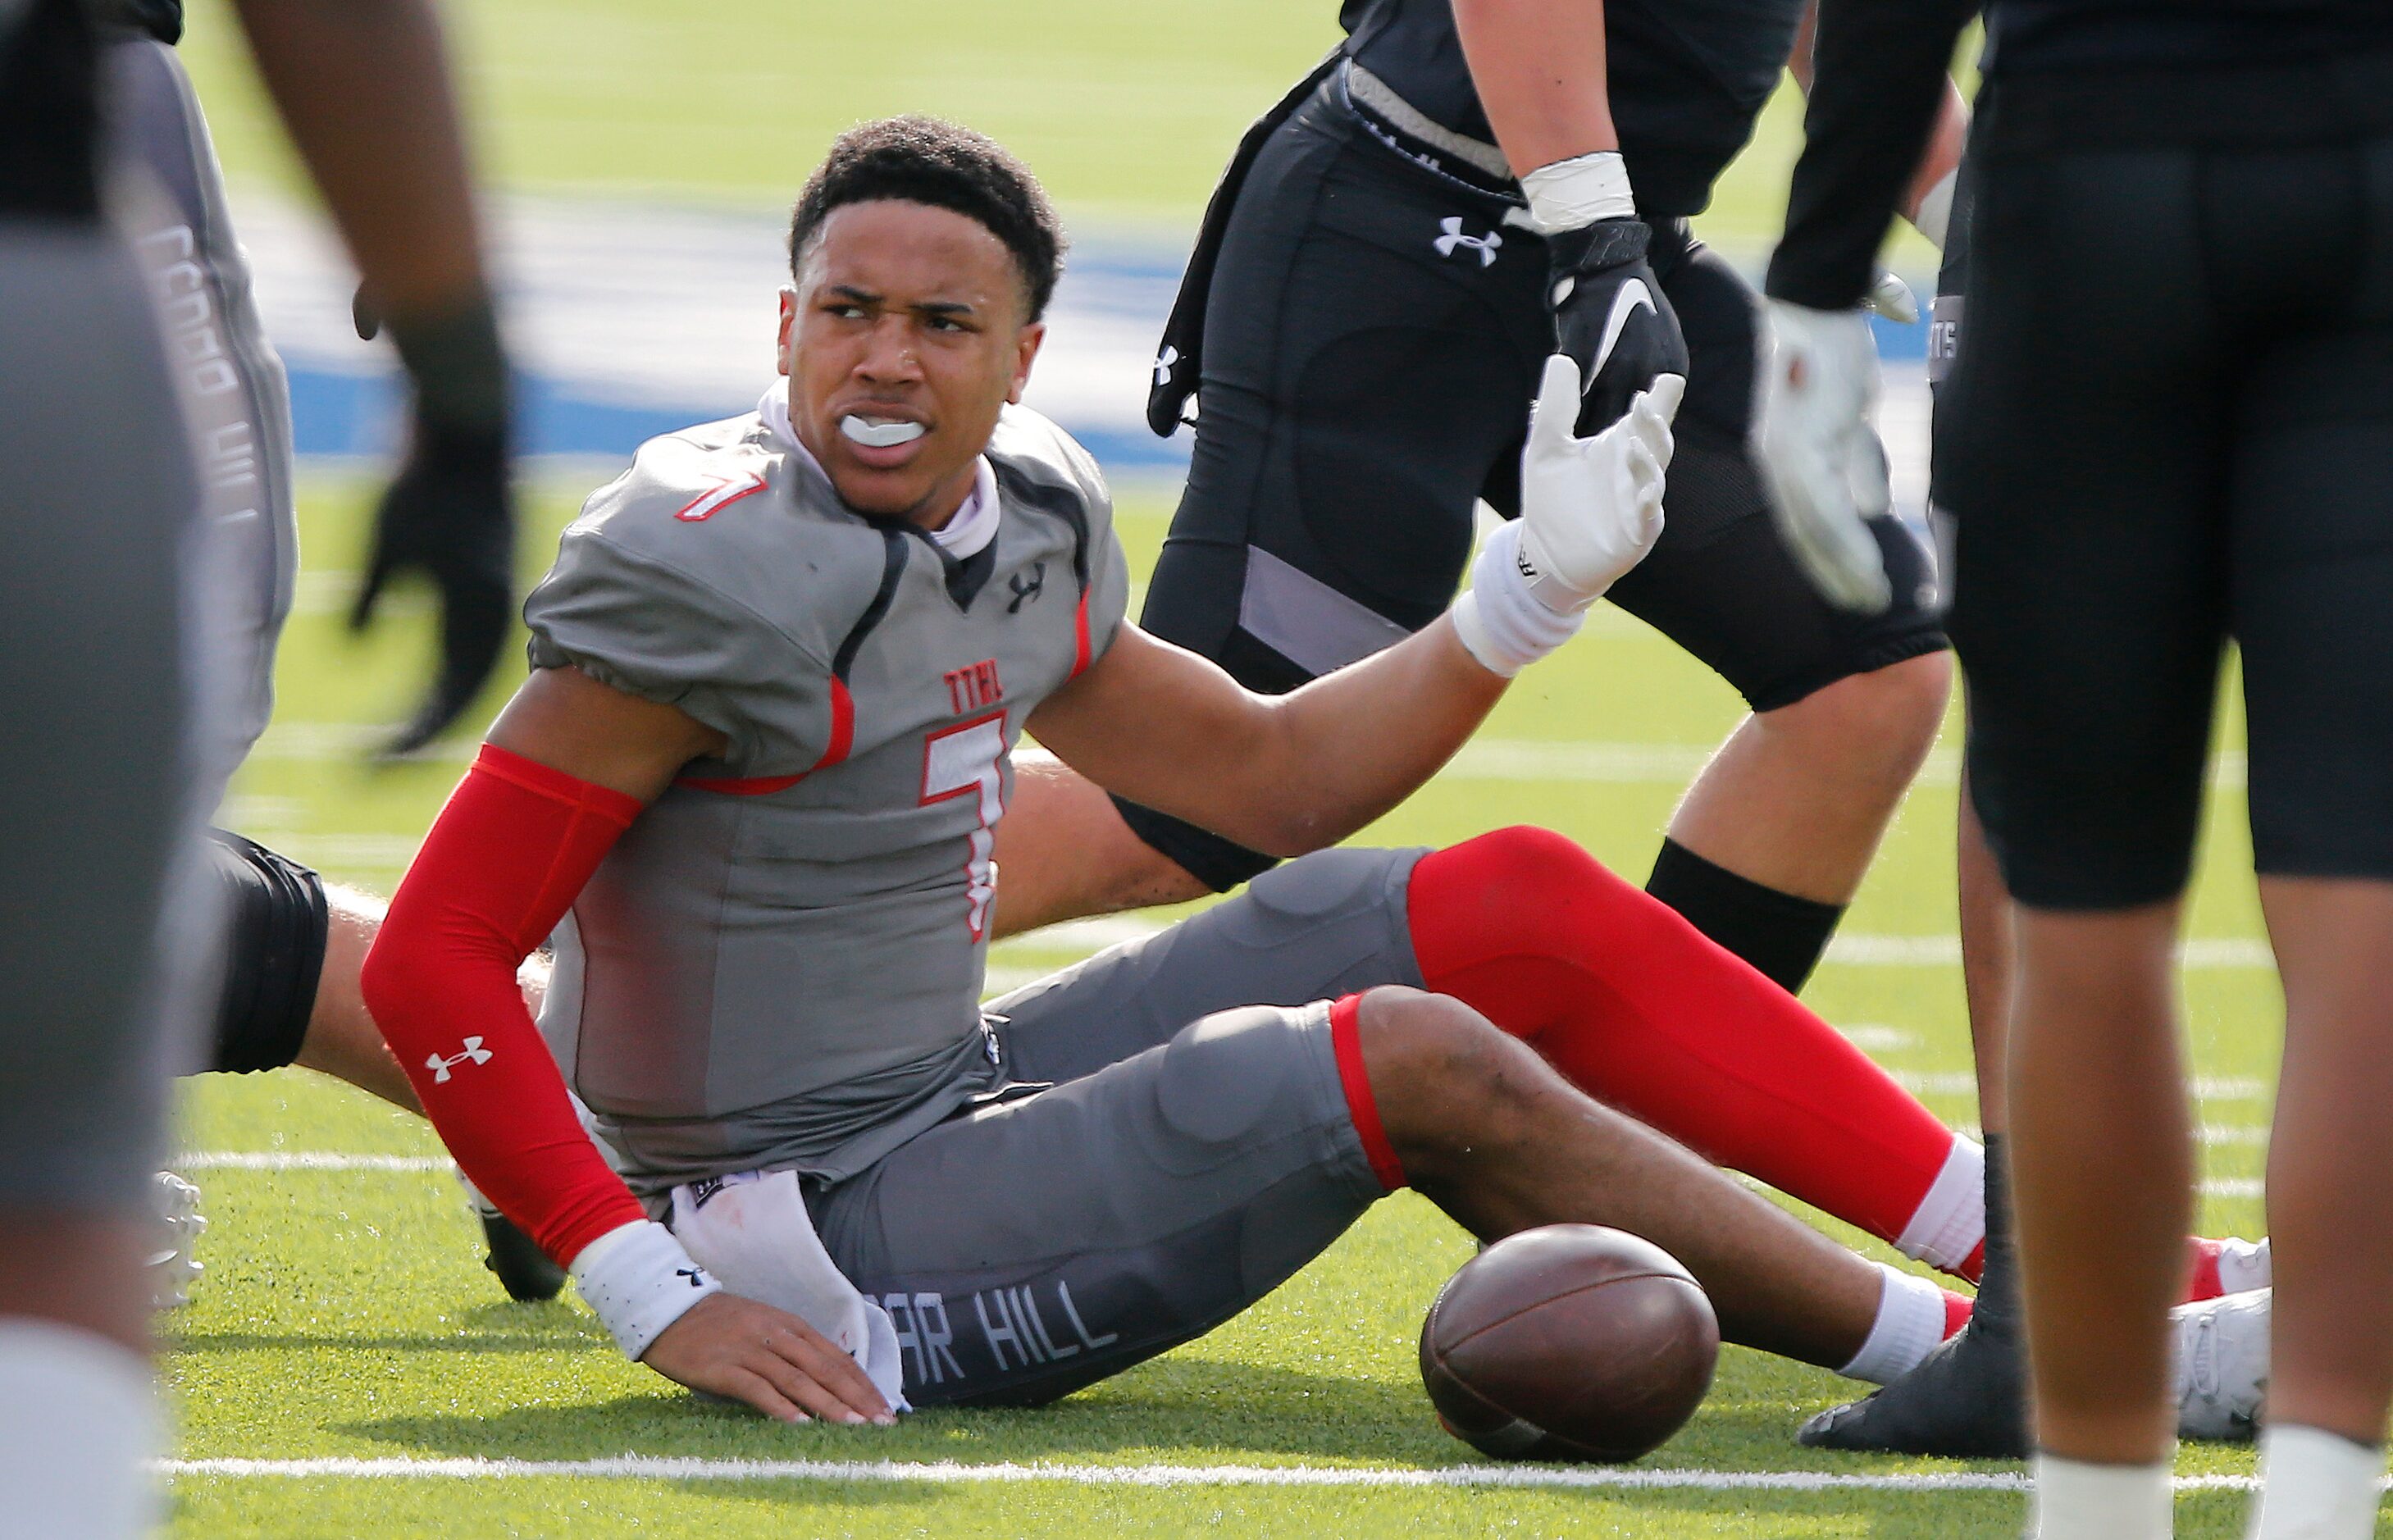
(276, 924)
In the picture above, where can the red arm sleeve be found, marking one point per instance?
(503, 863)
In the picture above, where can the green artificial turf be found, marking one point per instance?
(345, 1312)
(1127, 113)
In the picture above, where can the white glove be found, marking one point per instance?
(1826, 467)
(1590, 509)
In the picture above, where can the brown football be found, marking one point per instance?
(1569, 1342)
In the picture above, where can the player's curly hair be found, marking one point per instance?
(926, 159)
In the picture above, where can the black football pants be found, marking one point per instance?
(1373, 337)
(2171, 423)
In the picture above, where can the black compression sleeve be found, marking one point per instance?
(1878, 72)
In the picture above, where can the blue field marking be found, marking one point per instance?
(629, 320)
(342, 415)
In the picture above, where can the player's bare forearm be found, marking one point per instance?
(1540, 69)
(364, 89)
(570, 722)
(1282, 775)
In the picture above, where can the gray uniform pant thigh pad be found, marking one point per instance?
(1180, 1145)
(1037, 1245)
(1328, 924)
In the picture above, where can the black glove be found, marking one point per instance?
(450, 515)
(1610, 316)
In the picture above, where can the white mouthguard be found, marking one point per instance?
(880, 435)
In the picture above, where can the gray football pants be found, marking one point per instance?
(232, 385)
(96, 501)
(1175, 1145)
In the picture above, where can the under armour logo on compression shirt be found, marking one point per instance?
(1453, 239)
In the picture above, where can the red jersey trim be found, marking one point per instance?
(842, 738)
(1080, 637)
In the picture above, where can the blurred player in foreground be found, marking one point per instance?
(287, 992)
(753, 787)
(2171, 422)
(116, 640)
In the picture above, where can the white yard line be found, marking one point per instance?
(950, 1472)
(303, 1160)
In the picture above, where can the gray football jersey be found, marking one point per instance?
(779, 965)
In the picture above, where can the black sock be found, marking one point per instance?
(1998, 1300)
(1782, 935)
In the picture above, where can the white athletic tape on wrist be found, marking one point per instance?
(1935, 213)
(640, 1281)
(1569, 194)
(1501, 623)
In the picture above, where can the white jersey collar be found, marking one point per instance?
(967, 534)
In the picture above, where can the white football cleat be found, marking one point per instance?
(2222, 1366)
(171, 1266)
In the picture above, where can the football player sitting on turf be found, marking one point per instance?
(751, 787)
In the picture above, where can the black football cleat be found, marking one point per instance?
(1967, 1399)
(523, 1270)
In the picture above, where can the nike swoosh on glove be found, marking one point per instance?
(1826, 468)
(1610, 316)
(449, 515)
(1591, 508)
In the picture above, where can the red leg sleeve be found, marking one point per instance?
(1638, 1009)
(503, 863)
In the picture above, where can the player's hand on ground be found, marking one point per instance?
(767, 1358)
(448, 516)
(1611, 317)
(1824, 465)
(1591, 508)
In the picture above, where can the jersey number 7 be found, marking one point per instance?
(965, 760)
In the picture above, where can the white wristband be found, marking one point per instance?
(640, 1281)
(1569, 194)
(1501, 623)
(1934, 217)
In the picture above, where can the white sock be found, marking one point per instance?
(1951, 1218)
(2244, 1264)
(2315, 1485)
(1910, 1323)
(2077, 1501)
(79, 1424)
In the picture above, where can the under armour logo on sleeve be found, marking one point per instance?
(1484, 245)
(440, 1066)
(1165, 362)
